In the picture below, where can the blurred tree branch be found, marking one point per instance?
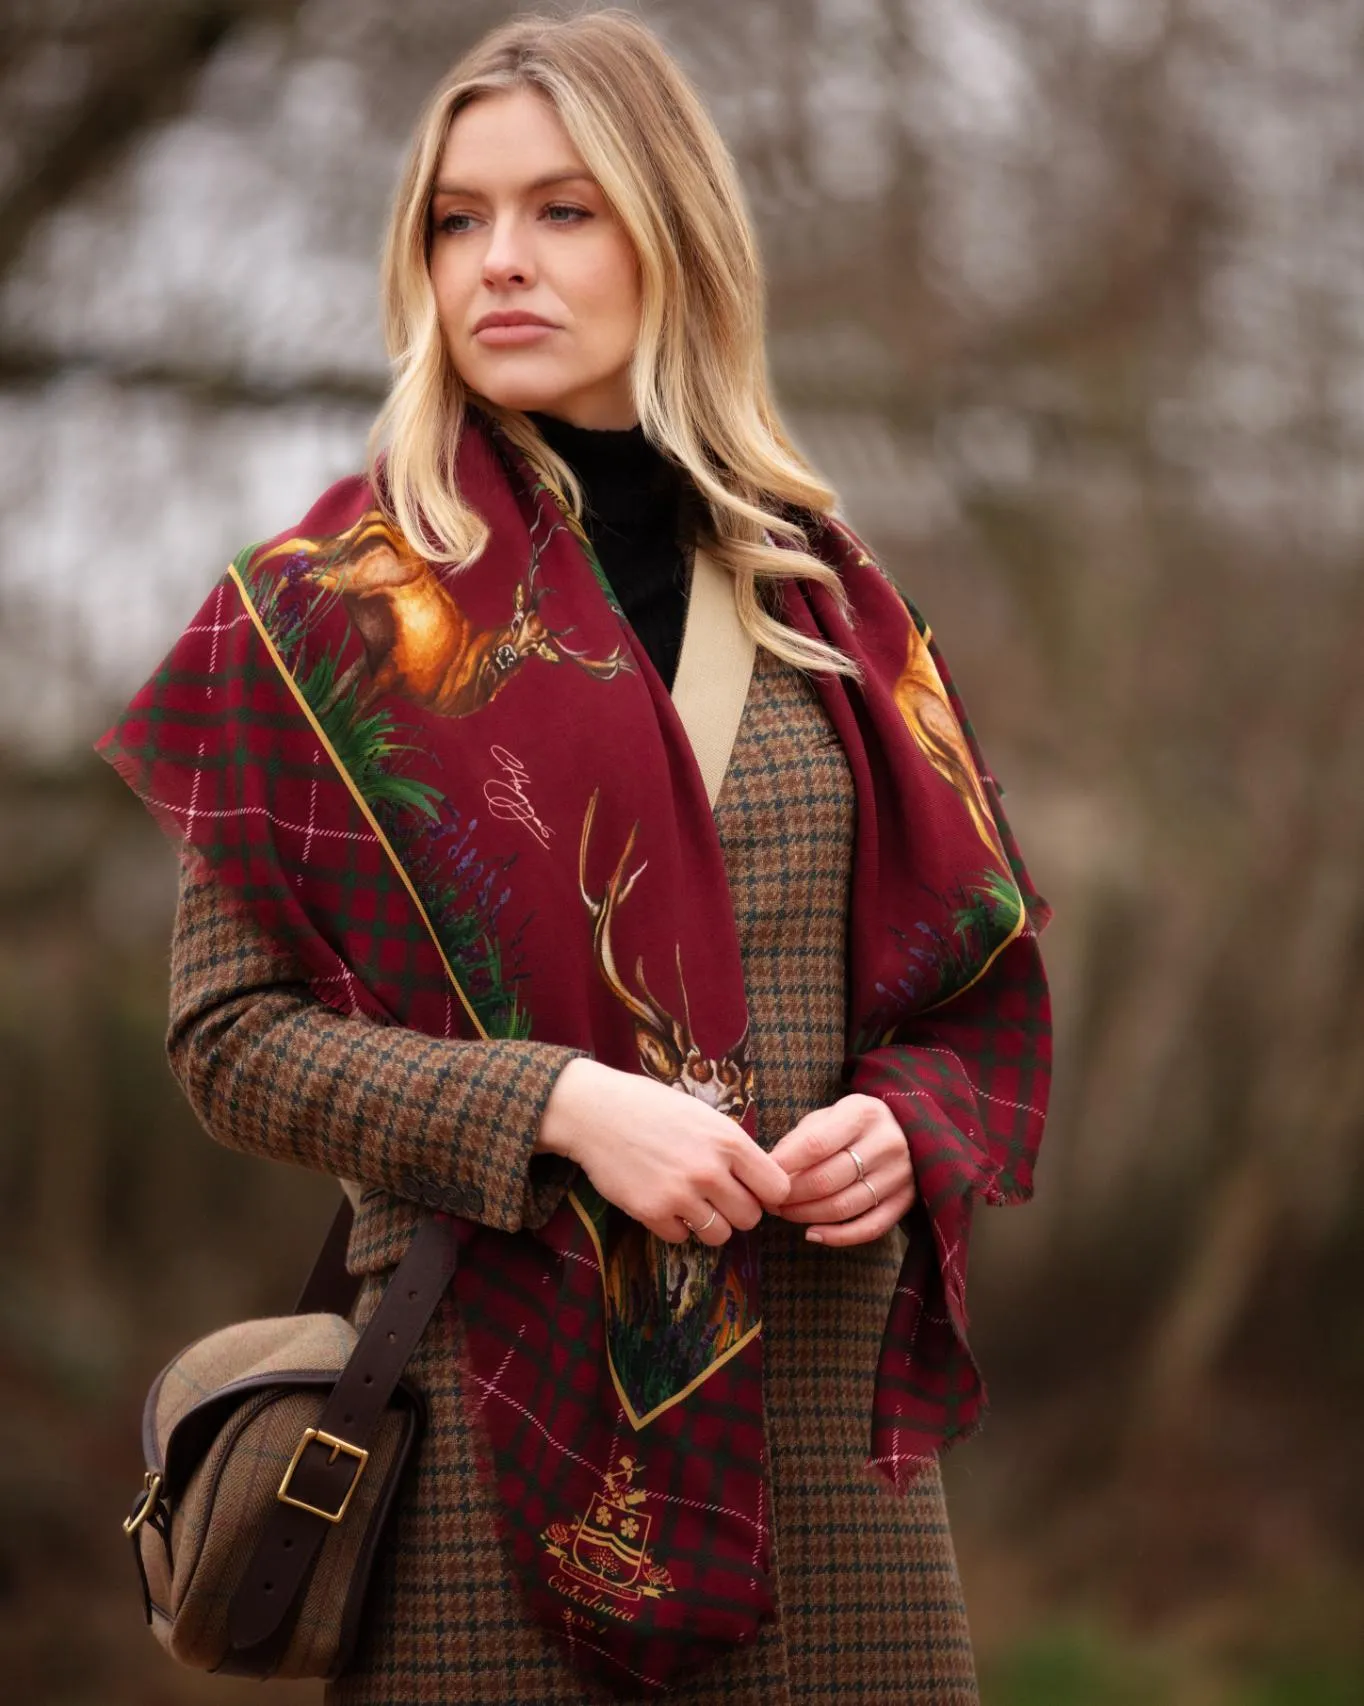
(225, 384)
(138, 65)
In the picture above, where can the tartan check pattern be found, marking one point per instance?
(226, 745)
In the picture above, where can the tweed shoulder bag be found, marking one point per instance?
(273, 1451)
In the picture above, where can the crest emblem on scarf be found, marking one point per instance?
(606, 1552)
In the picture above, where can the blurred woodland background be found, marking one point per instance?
(1067, 299)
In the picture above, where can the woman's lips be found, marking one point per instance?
(522, 334)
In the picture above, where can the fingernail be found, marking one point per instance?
(814, 1237)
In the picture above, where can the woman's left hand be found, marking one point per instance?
(837, 1201)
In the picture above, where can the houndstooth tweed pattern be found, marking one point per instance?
(272, 1071)
(871, 1605)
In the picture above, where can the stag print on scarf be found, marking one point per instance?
(418, 642)
(674, 1311)
(929, 717)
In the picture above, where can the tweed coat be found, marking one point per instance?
(870, 1600)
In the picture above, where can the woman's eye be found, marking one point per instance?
(574, 213)
(448, 224)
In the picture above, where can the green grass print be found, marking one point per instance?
(365, 743)
(992, 910)
(572, 524)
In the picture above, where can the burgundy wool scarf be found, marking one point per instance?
(325, 732)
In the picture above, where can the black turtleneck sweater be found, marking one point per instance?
(639, 512)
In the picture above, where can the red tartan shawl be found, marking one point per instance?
(465, 802)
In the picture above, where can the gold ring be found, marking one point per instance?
(704, 1224)
(876, 1201)
(861, 1178)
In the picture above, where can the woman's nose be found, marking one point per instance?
(507, 258)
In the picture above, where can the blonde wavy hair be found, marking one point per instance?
(699, 372)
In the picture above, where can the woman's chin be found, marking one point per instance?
(524, 391)
(522, 386)
(529, 401)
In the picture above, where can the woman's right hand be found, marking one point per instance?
(659, 1154)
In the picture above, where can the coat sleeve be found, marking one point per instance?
(271, 1070)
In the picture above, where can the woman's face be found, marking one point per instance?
(520, 228)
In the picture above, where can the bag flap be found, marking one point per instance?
(228, 1364)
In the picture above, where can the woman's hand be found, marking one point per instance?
(828, 1194)
(659, 1154)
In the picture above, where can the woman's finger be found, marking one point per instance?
(859, 1198)
(865, 1228)
(824, 1131)
(735, 1201)
(860, 1195)
(708, 1226)
(756, 1171)
(878, 1150)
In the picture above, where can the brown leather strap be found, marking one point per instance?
(329, 1289)
(259, 1618)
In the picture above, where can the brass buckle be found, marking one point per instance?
(151, 1488)
(338, 1445)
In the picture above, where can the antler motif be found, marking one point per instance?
(667, 1050)
(547, 641)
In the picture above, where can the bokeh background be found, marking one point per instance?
(1067, 299)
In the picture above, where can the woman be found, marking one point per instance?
(457, 923)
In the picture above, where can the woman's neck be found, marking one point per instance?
(628, 483)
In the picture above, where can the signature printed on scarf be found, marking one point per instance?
(506, 795)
